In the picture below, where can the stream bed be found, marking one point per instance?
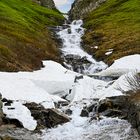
(83, 128)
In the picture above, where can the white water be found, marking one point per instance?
(49, 84)
(71, 38)
(80, 128)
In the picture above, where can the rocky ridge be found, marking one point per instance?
(82, 7)
(46, 3)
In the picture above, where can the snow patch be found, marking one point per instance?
(121, 66)
(21, 113)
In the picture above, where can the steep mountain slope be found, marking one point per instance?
(46, 3)
(114, 28)
(80, 8)
(24, 37)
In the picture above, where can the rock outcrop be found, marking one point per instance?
(46, 118)
(123, 107)
(46, 3)
(81, 7)
(126, 107)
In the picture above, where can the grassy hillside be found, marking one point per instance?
(24, 38)
(114, 25)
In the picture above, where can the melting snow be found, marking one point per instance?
(22, 113)
(49, 84)
(123, 65)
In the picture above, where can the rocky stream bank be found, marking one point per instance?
(78, 115)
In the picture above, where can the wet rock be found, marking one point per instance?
(78, 64)
(78, 78)
(46, 118)
(88, 109)
(104, 105)
(68, 112)
(15, 122)
(123, 107)
(6, 101)
(10, 132)
(84, 113)
(69, 30)
(65, 26)
(92, 107)
(61, 103)
(114, 113)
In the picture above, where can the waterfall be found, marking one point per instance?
(75, 58)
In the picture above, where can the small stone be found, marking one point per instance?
(68, 112)
(84, 113)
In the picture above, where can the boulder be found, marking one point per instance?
(15, 122)
(78, 63)
(123, 107)
(46, 118)
(68, 112)
(89, 109)
(104, 105)
(84, 113)
(69, 31)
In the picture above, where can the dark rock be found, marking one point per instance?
(7, 101)
(104, 105)
(68, 112)
(91, 107)
(46, 117)
(88, 109)
(61, 103)
(84, 113)
(123, 107)
(65, 26)
(77, 63)
(15, 122)
(78, 78)
(114, 113)
(10, 108)
(69, 31)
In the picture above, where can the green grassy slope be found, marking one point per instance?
(114, 25)
(24, 38)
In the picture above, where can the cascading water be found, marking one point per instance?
(82, 128)
(74, 56)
